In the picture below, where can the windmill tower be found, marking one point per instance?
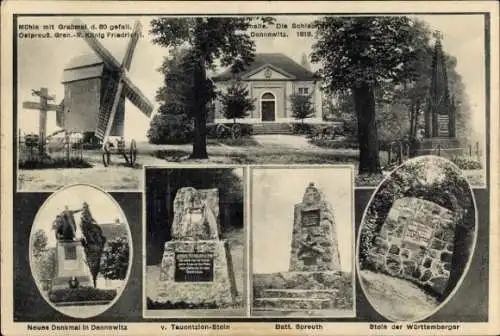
(95, 88)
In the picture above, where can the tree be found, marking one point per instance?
(44, 264)
(115, 259)
(173, 122)
(359, 54)
(236, 102)
(207, 40)
(302, 106)
(39, 242)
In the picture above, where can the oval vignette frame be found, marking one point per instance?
(125, 222)
(469, 257)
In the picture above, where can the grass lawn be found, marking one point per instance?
(249, 150)
(258, 149)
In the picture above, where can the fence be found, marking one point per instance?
(400, 151)
(63, 148)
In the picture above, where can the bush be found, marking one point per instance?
(81, 294)
(44, 264)
(302, 106)
(115, 258)
(301, 129)
(465, 163)
(236, 102)
(212, 130)
(49, 163)
(170, 129)
(334, 144)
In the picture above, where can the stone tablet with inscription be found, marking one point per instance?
(196, 266)
(314, 240)
(416, 242)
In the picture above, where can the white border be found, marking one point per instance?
(353, 239)
(246, 285)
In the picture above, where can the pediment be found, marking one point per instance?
(267, 72)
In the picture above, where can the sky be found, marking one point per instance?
(274, 194)
(103, 207)
(41, 61)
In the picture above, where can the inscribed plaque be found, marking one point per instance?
(310, 218)
(194, 267)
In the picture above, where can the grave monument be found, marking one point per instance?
(314, 280)
(196, 267)
(71, 267)
(416, 243)
(440, 113)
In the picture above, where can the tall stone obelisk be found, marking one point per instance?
(440, 112)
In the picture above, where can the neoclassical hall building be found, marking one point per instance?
(271, 78)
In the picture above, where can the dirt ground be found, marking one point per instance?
(396, 299)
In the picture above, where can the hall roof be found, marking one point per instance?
(276, 60)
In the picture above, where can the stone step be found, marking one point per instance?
(292, 303)
(271, 128)
(300, 293)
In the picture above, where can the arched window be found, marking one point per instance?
(268, 106)
(268, 96)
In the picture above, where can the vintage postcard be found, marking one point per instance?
(267, 167)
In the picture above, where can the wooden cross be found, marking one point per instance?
(43, 106)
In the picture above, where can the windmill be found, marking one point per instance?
(95, 88)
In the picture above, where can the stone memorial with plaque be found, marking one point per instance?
(314, 280)
(416, 242)
(196, 267)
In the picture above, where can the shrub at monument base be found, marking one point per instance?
(114, 262)
(246, 130)
(466, 163)
(81, 294)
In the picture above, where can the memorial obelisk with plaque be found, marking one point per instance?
(440, 113)
(314, 280)
(196, 267)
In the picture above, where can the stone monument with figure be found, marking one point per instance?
(71, 266)
(196, 267)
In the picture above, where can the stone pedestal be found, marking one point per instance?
(441, 146)
(196, 266)
(416, 242)
(314, 280)
(70, 264)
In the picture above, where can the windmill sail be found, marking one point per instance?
(60, 115)
(136, 97)
(111, 115)
(106, 105)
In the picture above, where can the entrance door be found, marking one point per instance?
(268, 107)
